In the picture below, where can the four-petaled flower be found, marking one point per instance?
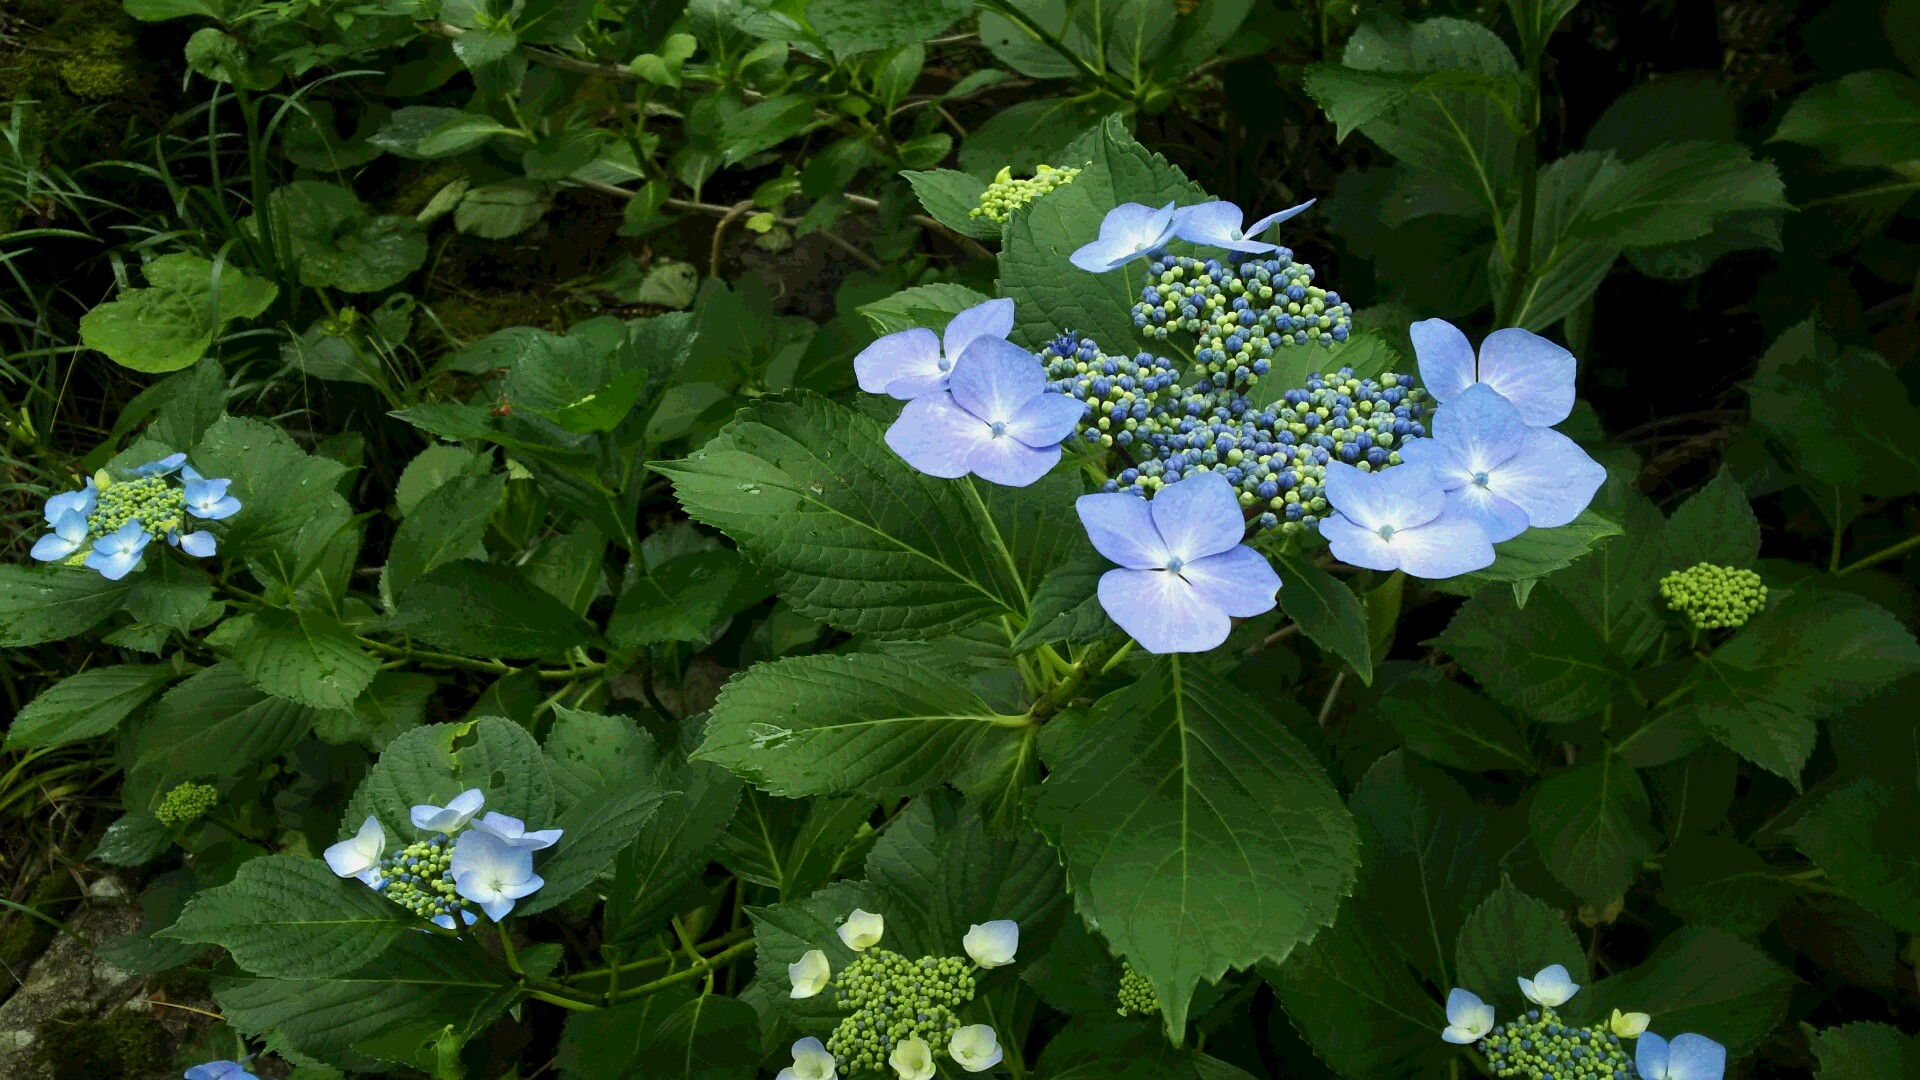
(912, 1058)
(810, 1062)
(208, 499)
(513, 832)
(81, 502)
(1217, 224)
(1129, 231)
(992, 944)
(1629, 1025)
(489, 872)
(1468, 1018)
(911, 363)
(358, 856)
(451, 817)
(1688, 1057)
(1183, 574)
(1551, 986)
(69, 533)
(996, 420)
(1521, 366)
(1501, 474)
(809, 974)
(862, 930)
(217, 1070)
(975, 1048)
(117, 553)
(1396, 519)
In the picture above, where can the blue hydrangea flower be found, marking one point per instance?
(358, 856)
(1217, 224)
(117, 553)
(513, 832)
(1688, 1057)
(1552, 986)
(492, 873)
(996, 420)
(81, 502)
(217, 1070)
(208, 499)
(1499, 472)
(200, 543)
(1396, 519)
(455, 815)
(163, 467)
(1129, 231)
(1184, 574)
(1521, 366)
(68, 535)
(913, 362)
(1468, 1018)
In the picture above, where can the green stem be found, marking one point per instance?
(613, 971)
(1090, 666)
(1522, 262)
(1045, 37)
(699, 970)
(1882, 555)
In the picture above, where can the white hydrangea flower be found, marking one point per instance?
(862, 930)
(358, 856)
(1550, 987)
(810, 1062)
(992, 944)
(975, 1048)
(1468, 1018)
(912, 1059)
(810, 974)
(1629, 1025)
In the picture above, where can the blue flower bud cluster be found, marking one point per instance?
(1136, 995)
(419, 877)
(894, 999)
(1539, 1047)
(1121, 393)
(1242, 311)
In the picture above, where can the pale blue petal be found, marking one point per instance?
(1499, 518)
(113, 566)
(1695, 1057)
(1445, 547)
(1128, 232)
(1239, 582)
(1046, 419)
(1356, 545)
(1463, 1006)
(936, 437)
(994, 377)
(1198, 516)
(1551, 479)
(991, 319)
(1459, 1038)
(81, 502)
(1011, 463)
(1254, 230)
(1162, 611)
(1530, 371)
(217, 510)
(910, 359)
(53, 547)
(217, 1070)
(1121, 528)
(200, 545)
(162, 467)
(1444, 356)
(1402, 496)
(1480, 429)
(1215, 224)
(1650, 1056)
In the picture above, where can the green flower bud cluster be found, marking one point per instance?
(186, 804)
(159, 506)
(1008, 193)
(419, 878)
(893, 999)
(1714, 597)
(1136, 993)
(1539, 1047)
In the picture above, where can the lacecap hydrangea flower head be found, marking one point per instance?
(466, 861)
(903, 1016)
(108, 522)
(1540, 1046)
(1197, 471)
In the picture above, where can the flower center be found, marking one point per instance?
(999, 428)
(1480, 479)
(1386, 532)
(945, 364)
(1175, 564)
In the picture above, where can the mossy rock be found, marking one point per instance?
(125, 1045)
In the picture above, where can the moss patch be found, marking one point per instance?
(124, 1046)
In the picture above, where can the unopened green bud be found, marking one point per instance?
(1714, 597)
(186, 804)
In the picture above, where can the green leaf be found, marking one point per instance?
(860, 540)
(794, 847)
(1536, 553)
(1565, 270)
(304, 656)
(1510, 936)
(425, 131)
(1425, 859)
(446, 524)
(1196, 841)
(1066, 606)
(1542, 659)
(1701, 980)
(681, 1035)
(1675, 192)
(1713, 880)
(1028, 133)
(1862, 836)
(1715, 525)
(498, 211)
(338, 244)
(482, 609)
(1445, 722)
(171, 594)
(685, 598)
(85, 705)
(392, 705)
(604, 408)
(430, 468)
(1106, 1048)
(931, 306)
(171, 324)
(651, 874)
(293, 919)
(1807, 389)
(1327, 612)
(1865, 1051)
(280, 487)
(1358, 1006)
(858, 26)
(49, 603)
(430, 765)
(216, 724)
(1805, 658)
(1536, 19)
(944, 872)
(1594, 827)
(764, 126)
(1355, 98)
(590, 752)
(1616, 588)
(1049, 293)
(486, 45)
(867, 723)
(1867, 119)
(134, 839)
(593, 832)
(951, 196)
